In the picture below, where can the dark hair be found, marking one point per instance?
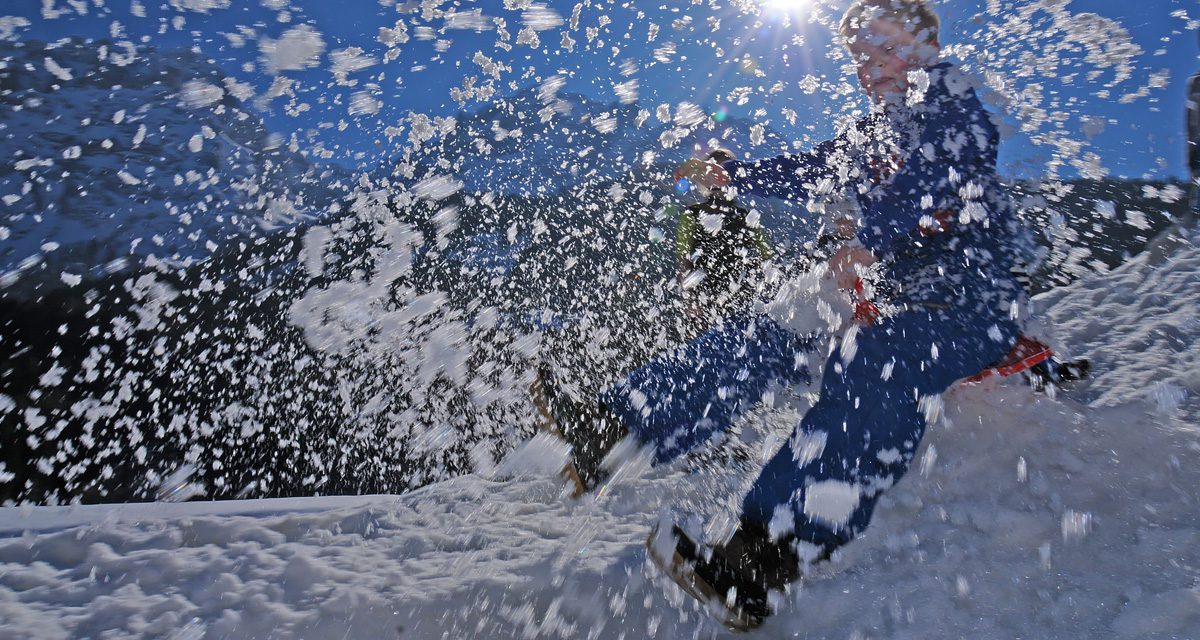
(914, 15)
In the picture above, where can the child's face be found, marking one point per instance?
(885, 53)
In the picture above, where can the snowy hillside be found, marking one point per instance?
(113, 156)
(1026, 517)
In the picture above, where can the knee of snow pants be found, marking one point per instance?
(678, 400)
(860, 436)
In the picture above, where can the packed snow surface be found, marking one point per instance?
(1025, 517)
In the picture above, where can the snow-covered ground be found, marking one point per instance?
(1026, 517)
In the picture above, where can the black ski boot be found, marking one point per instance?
(1059, 374)
(590, 429)
(734, 579)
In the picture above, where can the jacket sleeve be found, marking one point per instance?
(789, 176)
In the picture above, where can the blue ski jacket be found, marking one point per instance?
(934, 211)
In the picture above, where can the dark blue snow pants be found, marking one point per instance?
(858, 438)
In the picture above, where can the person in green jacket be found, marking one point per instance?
(720, 250)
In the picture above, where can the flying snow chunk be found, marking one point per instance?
(473, 20)
(543, 455)
(349, 60)
(178, 487)
(689, 115)
(198, 93)
(1076, 525)
(757, 135)
(58, 71)
(128, 178)
(712, 222)
(548, 90)
(437, 187)
(605, 123)
(9, 26)
(298, 48)
(362, 103)
(539, 17)
(831, 501)
(627, 92)
(200, 6)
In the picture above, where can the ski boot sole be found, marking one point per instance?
(677, 569)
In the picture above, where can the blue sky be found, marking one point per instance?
(1143, 138)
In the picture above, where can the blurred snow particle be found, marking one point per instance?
(689, 115)
(315, 241)
(664, 53)
(962, 588)
(473, 20)
(1044, 555)
(1167, 396)
(711, 222)
(9, 26)
(198, 93)
(437, 187)
(1106, 209)
(1075, 525)
(932, 407)
(200, 6)
(605, 123)
(539, 17)
(627, 92)
(349, 60)
(298, 48)
(548, 90)
(756, 135)
(57, 71)
(70, 279)
(178, 487)
(193, 630)
(694, 278)
(542, 455)
(362, 103)
(196, 143)
(831, 501)
(128, 178)
(1022, 470)
(928, 460)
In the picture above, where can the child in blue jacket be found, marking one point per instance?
(939, 231)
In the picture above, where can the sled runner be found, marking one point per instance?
(1025, 354)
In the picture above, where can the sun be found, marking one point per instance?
(789, 6)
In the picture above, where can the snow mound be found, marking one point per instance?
(971, 544)
(1140, 327)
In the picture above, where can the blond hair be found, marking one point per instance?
(914, 15)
